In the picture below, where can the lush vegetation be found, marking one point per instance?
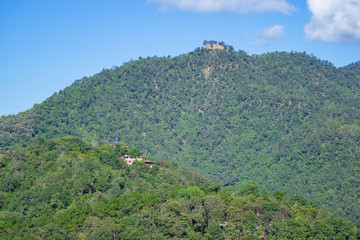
(355, 67)
(67, 189)
(286, 120)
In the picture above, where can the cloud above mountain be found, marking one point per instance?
(270, 34)
(236, 6)
(334, 20)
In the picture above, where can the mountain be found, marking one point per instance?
(355, 67)
(286, 120)
(65, 188)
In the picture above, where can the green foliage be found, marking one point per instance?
(279, 195)
(250, 187)
(134, 152)
(285, 120)
(191, 191)
(73, 190)
(214, 231)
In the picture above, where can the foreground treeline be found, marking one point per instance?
(67, 189)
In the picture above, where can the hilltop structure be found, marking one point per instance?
(130, 160)
(214, 46)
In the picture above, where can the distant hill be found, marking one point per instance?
(286, 120)
(65, 188)
(355, 67)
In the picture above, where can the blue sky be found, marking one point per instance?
(47, 45)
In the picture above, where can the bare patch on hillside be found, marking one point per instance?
(156, 85)
(207, 71)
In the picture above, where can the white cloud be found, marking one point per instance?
(334, 20)
(270, 34)
(237, 6)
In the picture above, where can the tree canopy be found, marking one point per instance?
(65, 188)
(288, 121)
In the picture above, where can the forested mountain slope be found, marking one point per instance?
(65, 188)
(286, 120)
(355, 67)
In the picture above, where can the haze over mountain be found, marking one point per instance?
(286, 120)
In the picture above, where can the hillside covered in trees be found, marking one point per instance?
(65, 188)
(286, 120)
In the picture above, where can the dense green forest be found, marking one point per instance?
(65, 188)
(355, 67)
(286, 120)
